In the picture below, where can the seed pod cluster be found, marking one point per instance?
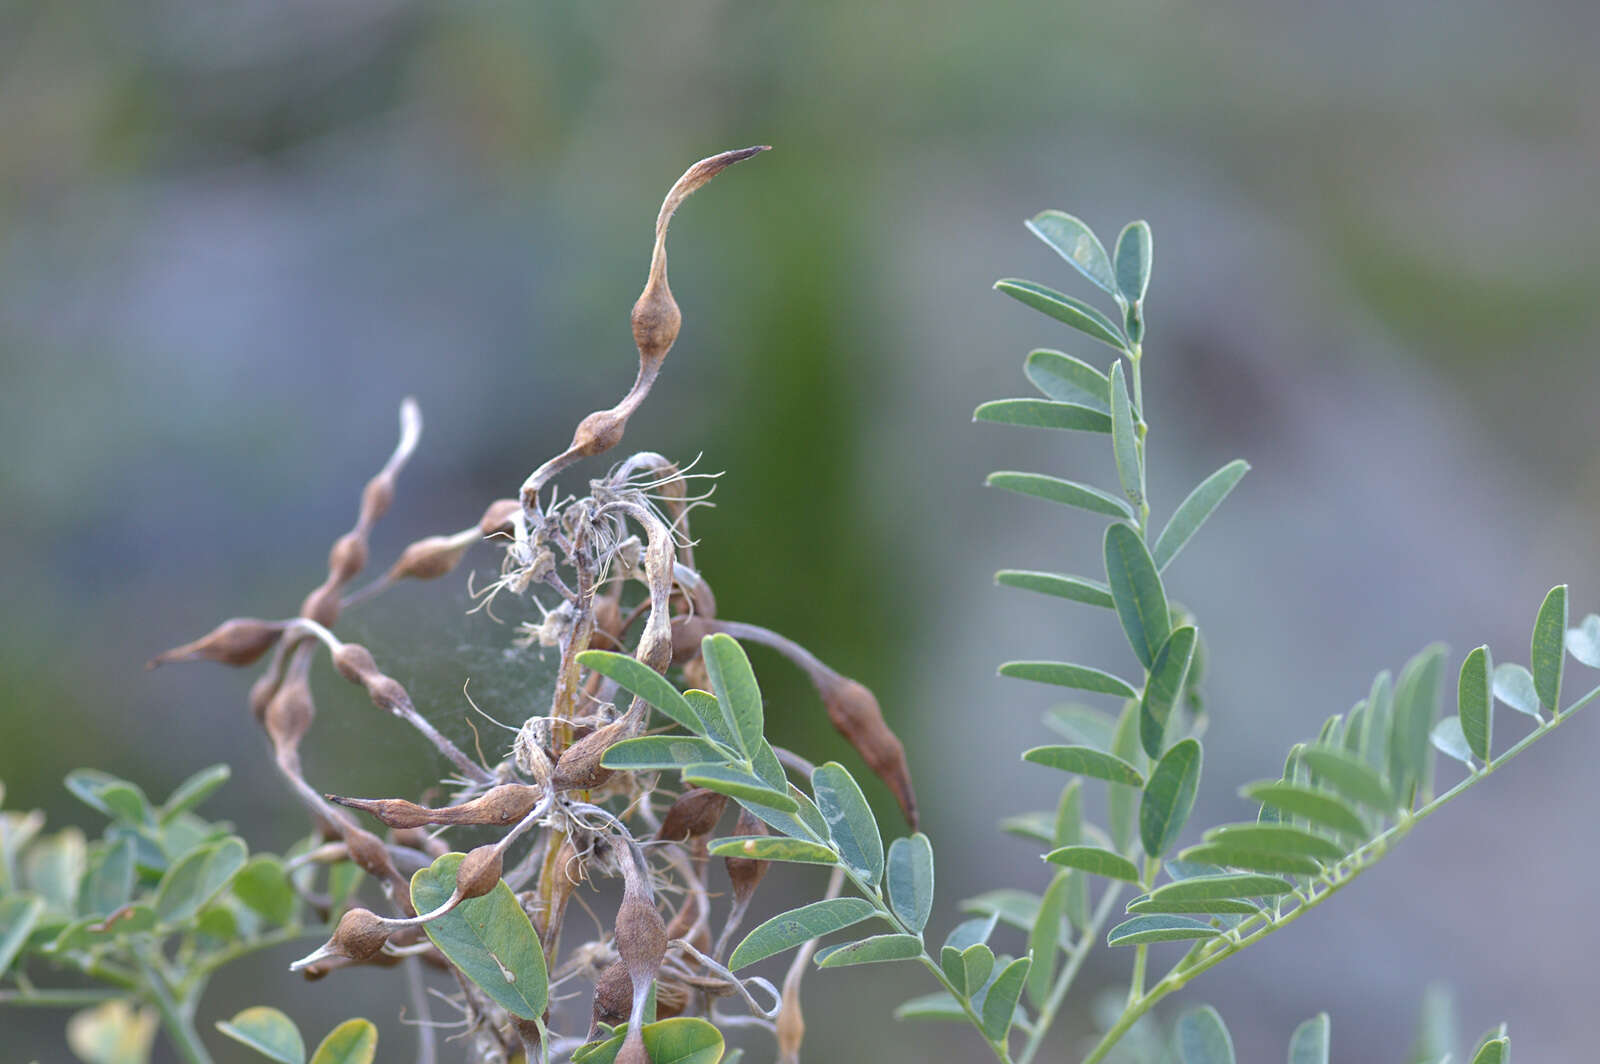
(238, 642)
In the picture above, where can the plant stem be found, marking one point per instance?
(1075, 958)
(66, 999)
(178, 1020)
(998, 1048)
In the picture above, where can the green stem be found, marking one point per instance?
(1075, 958)
(202, 971)
(998, 1048)
(177, 1019)
(65, 999)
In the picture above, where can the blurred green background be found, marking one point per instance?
(233, 236)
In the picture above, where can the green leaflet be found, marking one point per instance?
(19, 914)
(1075, 588)
(1044, 937)
(1252, 860)
(773, 848)
(1549, 648)
(1121, 802)
(197, 877)
(1319, 807)
(1125, 439)
(1082, 725)
(264, 887)
(909, 875)
(977, 962)
(1043, 414)
(194, 790)
(1066, 492)
(352, 1042)
(713, 723)
(1275, 838)
(662, 752)
(797, 926)
(109, 883)
(1095, 861)
(1161, 928)
(1450, 740)
(109, 795)
(640, 679)
(1475, 702)
(1085, 761)
(1195, 508)
(936, 1006)
(1073, 312)
(1355, 780)
(1136, 590)
(1074, 241)
(1161, 690)
(1068, 824)
(850, 821)
(735, 782)
(1309, 1043)
(1379, 721)
(1078, 677)
(1000, 1002)
(971, 932)
(1133, 257)
(734, 684)
(268, 1032)
(1217, 906)
(1495, 1050)
(1416, 703)
(489, 938)
(1203, 1038)
(873, 950)
(1513, 685)
(1220, 885)
(680, 1040)
(1068, 380)
(1169, 796)
(1583, 642)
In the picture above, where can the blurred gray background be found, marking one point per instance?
(233, 236)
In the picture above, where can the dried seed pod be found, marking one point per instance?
(746, 873)
(290, 712)
(855, 713)
(347, 557)
(687, 634)
(395, 812)
(322, 605)
(599, 432)
(579, 768)
(480, 872)
(505, 804)
(262, 692)
(694, 814)
(695, 675)
(496, 520)
(359, 936)
(633, 1050)
(368, 851)
(791, 1027)
(240, 641)
(377, 496)
(613, 995)
(355, 663)
(429, 558)
(672, 998)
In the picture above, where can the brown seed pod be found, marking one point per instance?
(687, 635)
(613, 994)
(672, 997)
(355, 663)
(290, 712)
(599, 432)
(695, 675)
(694, 814)
(262, 691)
(360, 935)
(347, 558)
(640, 934)
(322, 605)
(429, 558)
(791, 1030)
(745, 872)
(479, 872)
(633, 1050)
(394, 812)
(377, 497)
(496, 520)
(368, 851)
(854, 711)
(240, 641)
(579, 768)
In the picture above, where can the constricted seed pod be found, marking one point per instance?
(855, 713)
(599, 432)
(355, 663)
(347, 557)
(238, 642)
(377, 497)
(394, 812)
(613, 994)
(360, 935)
(479, 872)
(694, 814)
(429, 558)
(289, 714)
(368, 851)
(746, 873)
(322, 605)
(496, 520)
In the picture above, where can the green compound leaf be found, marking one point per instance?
(1252, 860)
(798, 926)
(773, 848)
(1475, 702)
(874, 950)
(1549, 648)
(734, 684)
(910, 880)
(1074, 312)
(1203, 1038)
(1161, 690)
(197, 877)
(352, 1042)
(662, 752)
(1125, 440)
(735, 782)
(1089, 592)
(850, 821)
(1275, 838)
(680, 1040)
(1068, 380)
(1145, 929)
(1066, 492)
(1220, 885)
(1583, 642)
(1320, 808)
(1193, 511)
(1137, 593)
(1169, 797)
(1133, 257)
(1078, 677)
(1095, 861)
(1000, 1002)
(1043, 414)
(1085, 761)
(1449, 738)
(194, 790)
(1513, 685)
(19, 914)
(1309, 1043)
(640, 679)
(268, 1032)
(1355, 780)
(1074, 241)
(489, 938)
